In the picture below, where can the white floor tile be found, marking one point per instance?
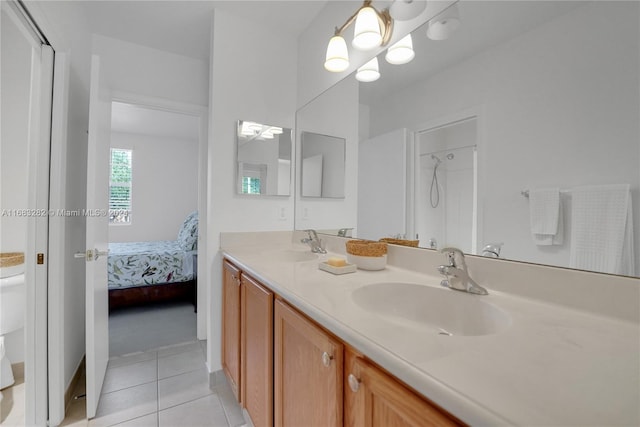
(179, 348)
(125, 376)
(181, 363)
(230, 404)
(206, 411)
(124, 405)
(128, 359)
(150, 420)
(183, 388)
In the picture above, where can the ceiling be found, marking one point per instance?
(183, 26)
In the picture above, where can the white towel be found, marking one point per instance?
(545, 212)
(602, 229)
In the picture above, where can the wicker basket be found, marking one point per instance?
(402, 242)
(11, 259)
(366, 248)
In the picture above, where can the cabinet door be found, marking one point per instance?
(308, 372)
(231, 325)
(257, 352)
(373, 398)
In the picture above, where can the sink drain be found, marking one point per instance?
(443, 332)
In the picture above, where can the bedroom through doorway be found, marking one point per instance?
(153, 228)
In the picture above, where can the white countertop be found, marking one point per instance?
(552, 366)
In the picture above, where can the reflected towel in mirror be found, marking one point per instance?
(545, 211)
(602, 229)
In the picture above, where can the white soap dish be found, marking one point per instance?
(349, 268)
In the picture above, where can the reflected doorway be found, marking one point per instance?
(446, 186)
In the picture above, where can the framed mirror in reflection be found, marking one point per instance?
(263, 159)
(323, 166)
(523, 98)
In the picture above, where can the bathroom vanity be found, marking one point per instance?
(394, 344)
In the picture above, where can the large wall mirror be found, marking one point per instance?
(523, 96)
(263, 159)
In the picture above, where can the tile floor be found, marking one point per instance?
(166, 387)
(12, 405)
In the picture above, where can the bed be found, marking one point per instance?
(152, 272)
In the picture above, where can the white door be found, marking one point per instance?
(97, 299)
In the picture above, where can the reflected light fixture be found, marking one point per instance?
(404, 10)
(369, 72)
(372, 29)
(443, 25)
(401, 52)
(253, 130)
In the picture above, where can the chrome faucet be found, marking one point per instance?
(457, 273)
(314, 242)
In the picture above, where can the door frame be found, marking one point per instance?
(473, 113)
(202, 113)
(38, 170)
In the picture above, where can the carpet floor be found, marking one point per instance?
(138, 329)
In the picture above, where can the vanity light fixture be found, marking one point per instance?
(401, 52)
(369, 72)
(372, 29)
(443, 25)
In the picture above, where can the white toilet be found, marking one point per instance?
(12, 307)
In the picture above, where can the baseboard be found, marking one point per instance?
(78, 376)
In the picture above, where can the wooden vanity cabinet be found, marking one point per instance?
(373, 398)
(288, 371)
(308, 372)
(257, 351)
(231, 325)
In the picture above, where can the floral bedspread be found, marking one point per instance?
(148, 263)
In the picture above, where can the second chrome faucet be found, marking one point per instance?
(457, 275)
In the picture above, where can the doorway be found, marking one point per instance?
(153, 189)
(446, 186)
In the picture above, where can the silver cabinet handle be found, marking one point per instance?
(326, 359)
(354, 383)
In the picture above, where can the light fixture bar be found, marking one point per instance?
(384, 18)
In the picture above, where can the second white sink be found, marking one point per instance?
(445, 311)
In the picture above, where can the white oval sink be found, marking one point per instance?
(290, 255)
(446, 311)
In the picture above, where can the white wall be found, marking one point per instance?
(323, 117)
(332, 149)
(586, 123)
(240, 90)
(382, 168)
(142, 70)
(164, 186)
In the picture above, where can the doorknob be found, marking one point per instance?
(88, 255)
(91, 254)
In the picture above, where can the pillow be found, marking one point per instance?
(188, 234)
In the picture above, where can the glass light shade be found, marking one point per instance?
(445, 24)
(400, 52)
(275, 130)
(267, 134)
(404, 10)
(337, 58)
(366, 34)
(368, 72)
(254, 126)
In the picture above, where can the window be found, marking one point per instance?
(250, 185)
(120, 187)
